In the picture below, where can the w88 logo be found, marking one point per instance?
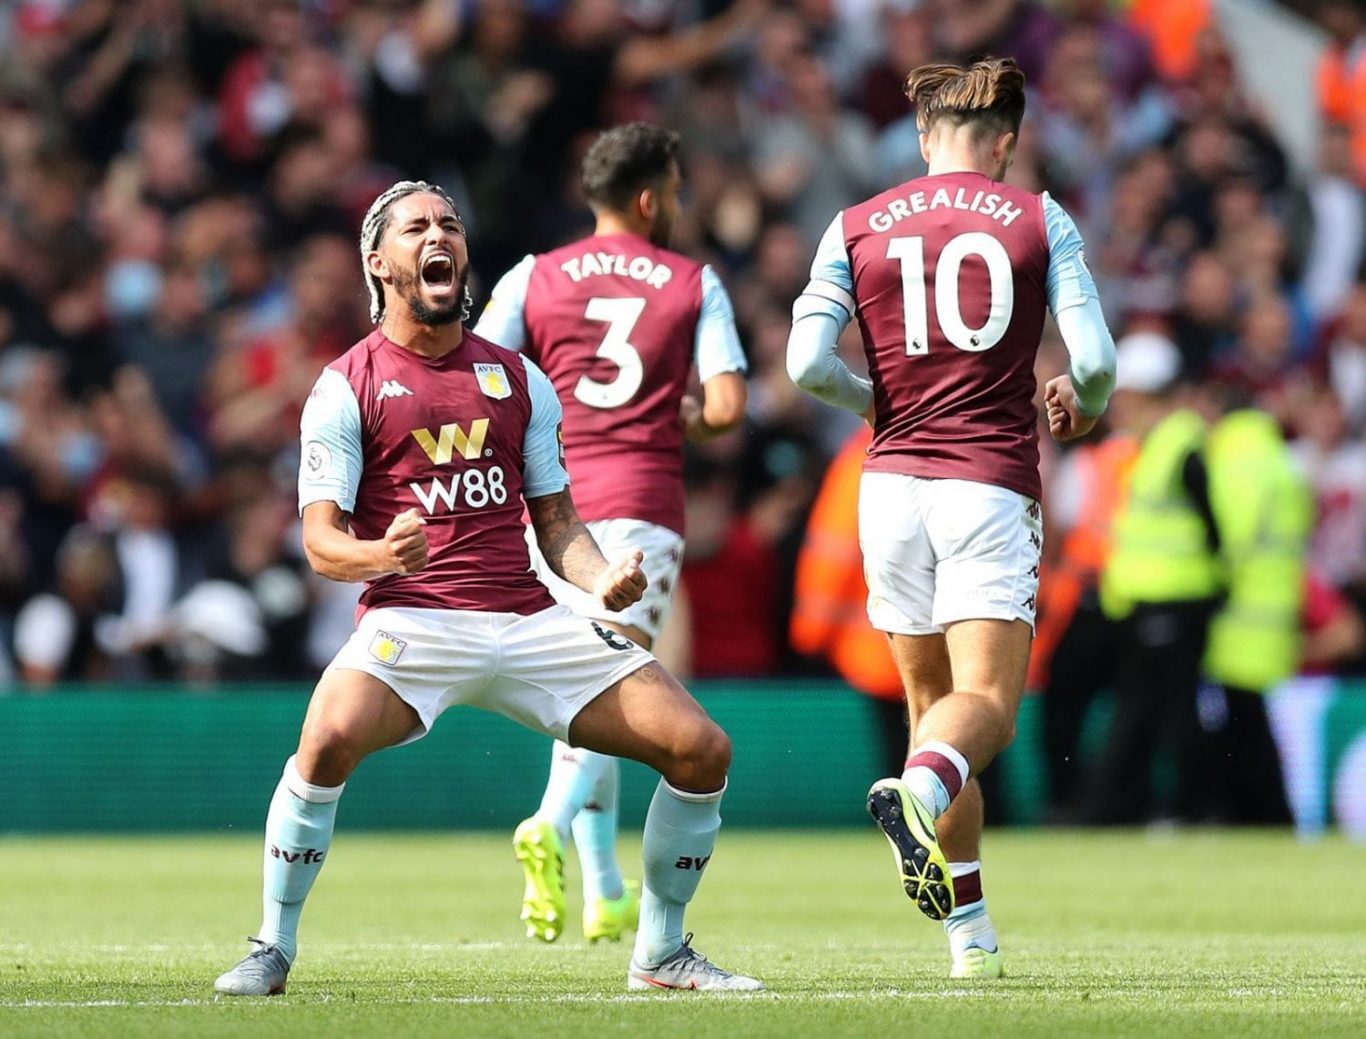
(473, 488)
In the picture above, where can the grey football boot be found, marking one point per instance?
(689, 969)
(263, 973)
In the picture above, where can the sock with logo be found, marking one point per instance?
(935, 773)
(595, 837)
(574, 772)
(298, 835)
(680, 833)
(968, 926)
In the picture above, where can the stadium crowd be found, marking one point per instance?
(181, 185)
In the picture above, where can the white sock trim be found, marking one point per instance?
(695, 798)
(956, 759)
(962, 869)
(305, 791)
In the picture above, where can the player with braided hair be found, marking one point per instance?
(372, 228)
(422, 444)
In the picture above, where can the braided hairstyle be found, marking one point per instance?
(372, 230)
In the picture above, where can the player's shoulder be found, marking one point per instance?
(357, 363)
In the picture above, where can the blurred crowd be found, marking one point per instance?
(181, 185)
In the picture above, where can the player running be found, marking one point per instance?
(420, 445)
(616, 321)
(949, 276)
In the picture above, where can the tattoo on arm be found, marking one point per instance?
(565, 542)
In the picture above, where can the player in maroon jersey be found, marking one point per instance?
(949, 276)
(419, 447)
(616, 321)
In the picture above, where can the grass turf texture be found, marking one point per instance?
(1183, 934)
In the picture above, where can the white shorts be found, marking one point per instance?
(663, 561)
(940, 551)
(539, 670)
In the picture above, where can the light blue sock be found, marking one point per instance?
(595, 837)
(969, 926)
(298, 835)
(680, 833)
(574, 772)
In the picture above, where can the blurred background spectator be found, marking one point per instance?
(181, 183)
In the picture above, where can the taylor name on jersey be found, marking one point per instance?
(614, 265)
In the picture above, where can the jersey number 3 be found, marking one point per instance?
(911, 253)
(621, 315)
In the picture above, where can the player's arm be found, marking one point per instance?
(567, 545)
(819, 315)
(330, 464)
(573, 554)
(721, 366)
(504, 318)
(1077, 399)
(337, 554)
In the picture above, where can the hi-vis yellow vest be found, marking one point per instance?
(1161, 549)
(1265, 513)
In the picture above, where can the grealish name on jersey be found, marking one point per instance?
(988, 203)
(615, 265)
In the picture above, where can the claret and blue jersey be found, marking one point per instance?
(462, 438)
(949, 277)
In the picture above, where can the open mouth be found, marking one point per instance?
(438, 271)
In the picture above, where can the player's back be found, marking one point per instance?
(611, 319)
(950, 275)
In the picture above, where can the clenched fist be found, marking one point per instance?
(1065, 419)
(404, 548)
(621, 583)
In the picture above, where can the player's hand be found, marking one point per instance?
(1065, 420)
(404, 547)
(622, 583)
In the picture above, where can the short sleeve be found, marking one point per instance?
(331, 457)
(504, 318)
(543, 470)
(831, 288)
(717, 343)
(1069, 282)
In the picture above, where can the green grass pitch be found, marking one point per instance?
(1181, 934)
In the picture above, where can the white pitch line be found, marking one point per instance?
(565, 999)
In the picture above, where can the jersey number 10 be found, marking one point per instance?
(911, 253)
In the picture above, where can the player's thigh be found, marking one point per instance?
(991, 658)
(350, 715)
(430, 659)
(987, 543)
(663, 550)
(898, 562)
(551, 665)
(648, 716)
(926, 674)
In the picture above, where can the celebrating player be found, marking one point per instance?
(949, 275)
(616, 321)
(419, 446)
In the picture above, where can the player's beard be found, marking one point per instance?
(408, 286)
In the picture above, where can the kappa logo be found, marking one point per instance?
(392, 388)
(451, 438)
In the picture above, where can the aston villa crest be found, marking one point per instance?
(493, 381)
